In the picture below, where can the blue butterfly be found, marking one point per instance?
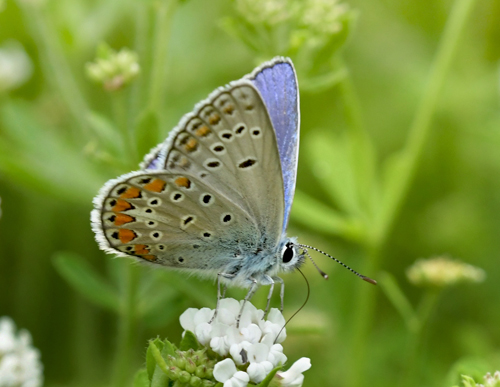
(215, 197)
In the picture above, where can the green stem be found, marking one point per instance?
(127, 330)
(362, 151)
(118, 101)
(419, 133)
(55, 65)
(158, 75)
(425, 309)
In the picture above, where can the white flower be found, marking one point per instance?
(19, 362)
(219, 342)
(324, 16)
(272, 326)
(15, 66)
(492, 380)
(276, 355)
(253, 346)
(226, 372)
(293, 377)
(259, 365)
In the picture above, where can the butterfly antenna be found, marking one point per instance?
(323, 274)
(298, 310)
(364, 278)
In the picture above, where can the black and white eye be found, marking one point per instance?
(287, 253)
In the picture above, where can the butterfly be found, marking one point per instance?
(215, 197)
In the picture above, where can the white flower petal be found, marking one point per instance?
(276, 355)
(231, 305)
(258, 371)
(187, 319)
(203, 333)
(224, 370)
(240, 379)
(293, 377)
(236, 352)
(204, 315)
(252, 333)
(258, 353)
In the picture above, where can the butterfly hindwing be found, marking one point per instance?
(170, 219)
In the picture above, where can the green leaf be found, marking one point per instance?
(269, 377)
(188, 341)
(141, 379)
(160, 378)
(82, 277)
(147, 132)
(150, 360)
(399, 301)
(109, 136)
(319, 217)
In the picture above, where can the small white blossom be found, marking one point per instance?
(293, 377)
(269, 12)
(259, 365)
(113, 69)
(15, 66)
(324, 16)
(20, 364)
(491, 380)
(253, 346)
(226, 372)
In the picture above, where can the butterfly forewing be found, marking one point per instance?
(171, 219)
(229, 143)
(277, 84)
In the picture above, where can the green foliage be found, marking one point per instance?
(399, 153)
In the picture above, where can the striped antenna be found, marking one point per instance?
(324, 275)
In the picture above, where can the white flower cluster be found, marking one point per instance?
(254, 346)
(20, 364)
(491, 380)
(323, 16)
(15, 66)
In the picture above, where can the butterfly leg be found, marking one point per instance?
(249, 295)
(225, 275)
(282, 290)
(271, 289)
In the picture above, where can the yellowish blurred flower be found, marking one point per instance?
(323, 16)
(113, 69)
(443, 271)
(264, 11)
(2, 5)
(491, 380)
(15, 66)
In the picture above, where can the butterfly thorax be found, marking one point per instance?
(263, 263)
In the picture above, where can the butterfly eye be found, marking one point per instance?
(288, 253)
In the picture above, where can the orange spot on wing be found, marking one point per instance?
(122, 205)
(126, 235)
(202, 131)
(183, 182)
(229, 109)
(156, 185)
(191, 145)
(149, 257)
(214, 119)
(121, 219)
(131, 193)
(141, 249)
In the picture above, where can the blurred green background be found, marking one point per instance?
(399, 160)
